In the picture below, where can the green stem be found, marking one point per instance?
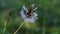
(19, 28)
(5, 26)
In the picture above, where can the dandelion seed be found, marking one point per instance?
(28, 15)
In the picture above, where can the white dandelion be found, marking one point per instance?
(28, 14)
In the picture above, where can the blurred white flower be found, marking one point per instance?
(28, 15)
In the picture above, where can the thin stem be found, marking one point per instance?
(19, 28)
(5, 26)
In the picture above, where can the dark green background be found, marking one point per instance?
(48, 14)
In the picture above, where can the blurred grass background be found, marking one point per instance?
(48, 14)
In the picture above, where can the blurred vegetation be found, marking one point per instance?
(48, 14)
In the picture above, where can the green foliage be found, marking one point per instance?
(48, 14)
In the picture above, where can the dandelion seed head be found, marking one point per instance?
(28, 16)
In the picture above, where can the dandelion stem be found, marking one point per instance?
(19, 28)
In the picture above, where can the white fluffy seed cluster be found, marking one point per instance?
(33, 16)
